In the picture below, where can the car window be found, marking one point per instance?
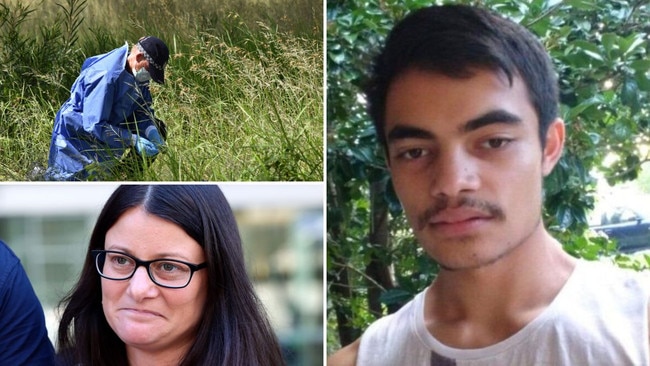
(623, 215)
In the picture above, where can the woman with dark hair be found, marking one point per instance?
(164, 283)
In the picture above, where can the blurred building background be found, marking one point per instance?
(48, 227)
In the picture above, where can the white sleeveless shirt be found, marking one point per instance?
(599, 317)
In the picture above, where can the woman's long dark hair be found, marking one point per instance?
(233, 330)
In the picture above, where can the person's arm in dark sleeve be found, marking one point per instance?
(23, 335)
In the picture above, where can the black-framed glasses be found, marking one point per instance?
(169, 273)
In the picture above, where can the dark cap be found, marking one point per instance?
(157, 53)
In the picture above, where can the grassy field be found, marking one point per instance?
(243, 97)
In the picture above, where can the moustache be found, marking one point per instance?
(443, 203)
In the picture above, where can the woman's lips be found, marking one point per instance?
(142, 312)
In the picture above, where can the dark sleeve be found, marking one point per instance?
(23, 335)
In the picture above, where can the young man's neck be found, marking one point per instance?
(479, 307)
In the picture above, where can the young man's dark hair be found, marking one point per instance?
(455, 39)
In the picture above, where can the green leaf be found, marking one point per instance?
(336, 57)
(594, 137)
(630, 95)
(610, 42)
(577, 110)
(364, 154)
(344, 20)
(643, 81)
(589, 49)
(351, 38)
(583, 4)
(631, 43)
(640, 65)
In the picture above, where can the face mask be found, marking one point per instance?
(142, 75)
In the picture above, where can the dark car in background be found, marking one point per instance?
(630, 229)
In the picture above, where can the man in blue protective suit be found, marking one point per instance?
(108, 113)
(23, 335)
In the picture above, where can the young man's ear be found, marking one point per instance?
(554, 145)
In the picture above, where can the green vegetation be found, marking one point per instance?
(643, 181)
(600, 49)
(243, 97)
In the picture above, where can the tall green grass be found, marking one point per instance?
(243, 97)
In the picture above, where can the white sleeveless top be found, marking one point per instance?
(599, 317)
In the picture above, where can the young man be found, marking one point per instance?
(108, 112)
(465, 104)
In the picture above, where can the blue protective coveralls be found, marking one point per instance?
(106, 106)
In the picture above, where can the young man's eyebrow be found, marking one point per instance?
(404, 132)
(491, 117)
(401, 131)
